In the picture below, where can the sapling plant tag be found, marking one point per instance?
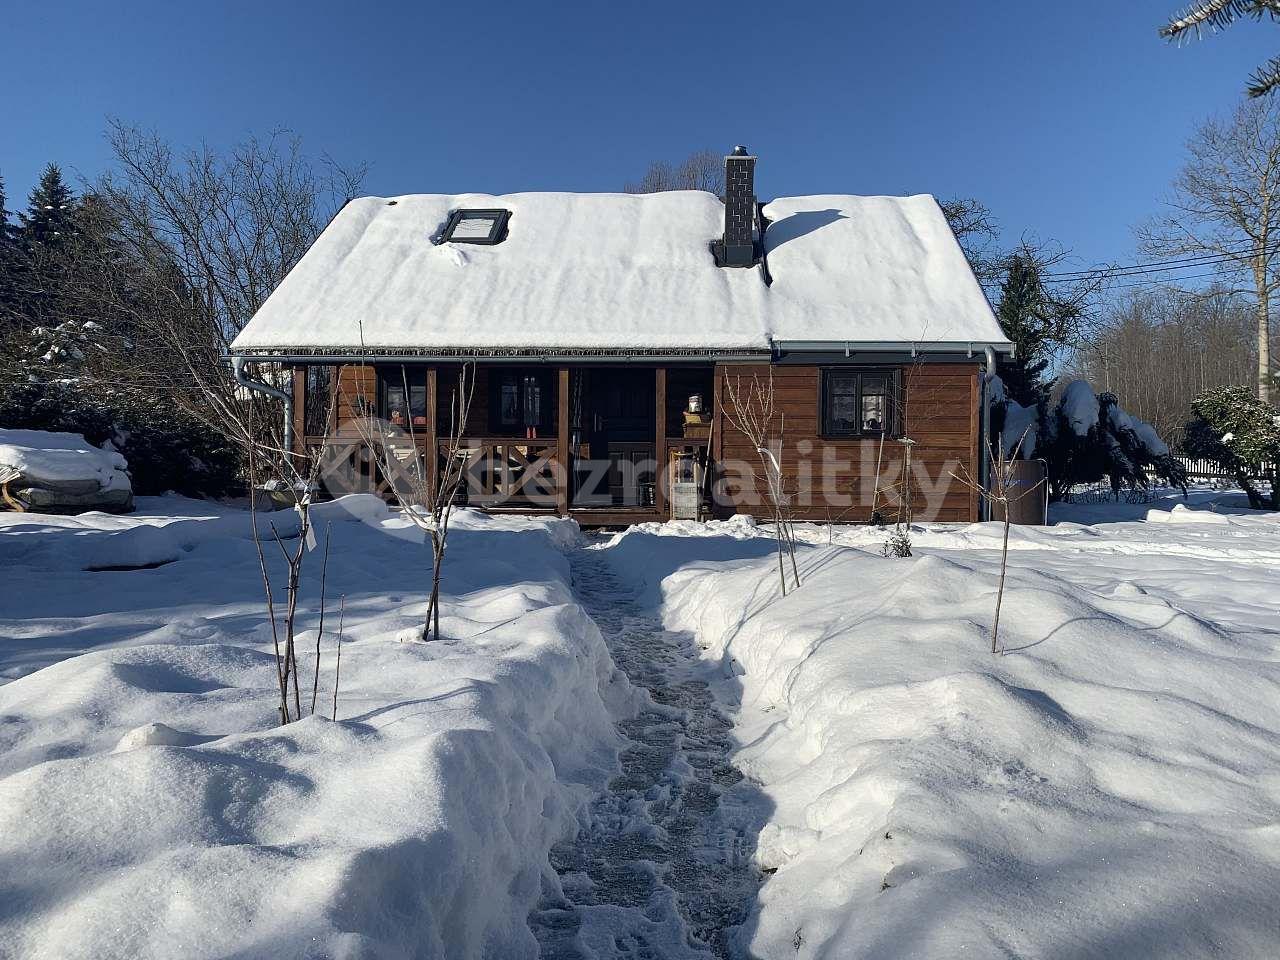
(311, 530)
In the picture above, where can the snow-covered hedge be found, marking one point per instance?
(1242, 433)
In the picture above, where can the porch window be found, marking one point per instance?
(861, 403)
(404, 396)
(318, 402)
(521, 403)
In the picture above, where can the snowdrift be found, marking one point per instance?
(150, 807)
(1110, 787)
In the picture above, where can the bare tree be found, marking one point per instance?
(701, 170)
(899, 542)
(977, 232)
(751, 411)
(1224, 213)
(425, 483)
(198, 241)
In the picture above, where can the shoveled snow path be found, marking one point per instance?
(664, 867)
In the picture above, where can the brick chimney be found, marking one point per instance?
(738, 248)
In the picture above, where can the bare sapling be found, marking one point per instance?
(337, 661)
(425, 482)
(876, 518)
(752, 412)
(295, 478)
(262, 566)
(302, 487)
(899, 542)
(324, 576)
(1000, 491)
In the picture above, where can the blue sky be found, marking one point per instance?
(1066, 119)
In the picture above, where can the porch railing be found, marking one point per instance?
(507, 472)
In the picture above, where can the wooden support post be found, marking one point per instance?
(335, 402)
(716, 453)
(432, 453)
(564, 458)
(299, 411)
(660, 441)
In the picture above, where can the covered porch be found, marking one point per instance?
(602, 442)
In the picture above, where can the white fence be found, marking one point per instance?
(1199, 468)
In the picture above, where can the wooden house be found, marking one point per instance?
(604, 334)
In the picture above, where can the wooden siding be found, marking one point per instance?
(940, 414)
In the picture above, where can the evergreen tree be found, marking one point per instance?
(50, 210)
(1216, 14)
(8, 275)
(1242, 434)
(4, 215)
(1089, 438)
(1037, 321)
(45, 236)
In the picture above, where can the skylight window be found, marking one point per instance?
(476, 226)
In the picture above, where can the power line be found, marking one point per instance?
(1244, 246)
(1228, 254)
(1147, 283)
(1136, 270)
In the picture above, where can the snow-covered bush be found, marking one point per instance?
(1015, 425)
(1087, 438)
(1242, 433)
(166, 449)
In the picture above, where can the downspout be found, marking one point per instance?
(984, 464)
(237, 370)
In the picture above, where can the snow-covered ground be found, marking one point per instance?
(847, 770)
(150, 807)
(1109, 787)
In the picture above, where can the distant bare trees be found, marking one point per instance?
(702, 170)
(198, 240)
(1224, 213)
(1160, 348)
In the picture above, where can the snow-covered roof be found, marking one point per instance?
(623, 271)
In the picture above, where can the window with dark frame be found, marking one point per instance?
(475, 226)
(398, 408)
(860, 403)
(520, 402)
